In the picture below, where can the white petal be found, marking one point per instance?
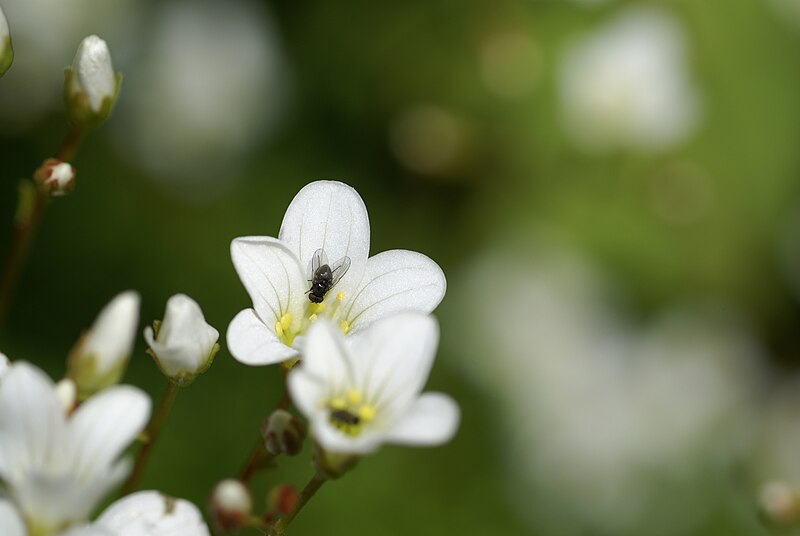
(307, 392)
(393, 359)
(4, 364)
(253, 343)
(104, 426)
(149, 513)
(10, 522)
(431, 420)
(88, 530)
(272, 275)
(326, 357)
(395, 281)
(111, 338)
(328, 215)
(93, 70)
(31, 420)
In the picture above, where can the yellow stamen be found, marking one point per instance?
(344, 326)
(279, 329)
(286, 321)
(338, 403)
(316, 307)
(354, 396)
(366, 412)
(340, 296)
(313, 317)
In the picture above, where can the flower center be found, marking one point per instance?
(349, 413)
(287, 329)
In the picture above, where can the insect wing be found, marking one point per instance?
(339, 268)
(318, 259)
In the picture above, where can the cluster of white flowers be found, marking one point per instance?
(366, 338)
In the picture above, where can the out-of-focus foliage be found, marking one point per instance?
(620, 328)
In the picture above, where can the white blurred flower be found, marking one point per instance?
(368, 392)
(91, 85)
(627, 85)
(278, 274)
(194, 106)
(183, 344)
(100, 357)
(6, 50)
(150, 513)
(620, 426)
(4, 364)
(57, 467)
(231, 505)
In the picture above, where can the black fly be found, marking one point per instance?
(324, 276)
(345, 417)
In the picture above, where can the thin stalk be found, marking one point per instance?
(309, 491)
(25, 228)
(258, 459)
(151, 435)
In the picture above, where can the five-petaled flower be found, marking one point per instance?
(325, 223)
(360, 393)
(55, 466)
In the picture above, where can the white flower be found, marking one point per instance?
(277, 273)
(149, 513)
(56, 467)
(6, 50)
(4, 364)
(93, 73)
(100, 358)
(365, 393)
(183, 344)
(146, 513)
(627, 86)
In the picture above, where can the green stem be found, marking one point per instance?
(151, 435)
(258, 459)
(26, 225)
(309, 491)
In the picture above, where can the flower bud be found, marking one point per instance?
(183, 344)
(6, 50)
(99, 358)
(780, 504)
(55, 177)
(282, 500)
(67, 394)
(91, 87)
(231, 505)
(283, 433)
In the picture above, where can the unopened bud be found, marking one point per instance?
(780, 504)
(67, 394)
(283, 433)
(91, 87)
(231, 505)
(99, 358)
(55, 177)
(183, 344)
(282, 500)
(6, 50)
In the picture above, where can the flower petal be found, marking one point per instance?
(88, 530)
(431, 420)
(149, 513)
(103, 426)
(10, 521)
(251, 342)
(31, 420)
(328, 215)
(394, 281)
(272, 276)
(333, 440)
(393, 359)
(326, 358)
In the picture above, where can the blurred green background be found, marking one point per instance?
(447, 118)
